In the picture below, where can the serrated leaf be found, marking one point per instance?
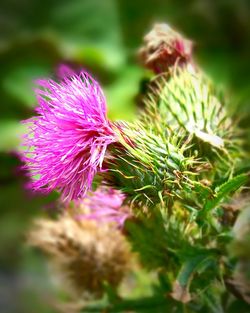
(202, 190)
(224, 190)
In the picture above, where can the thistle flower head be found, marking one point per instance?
(187, 101)
(84, 254)
(104, 205)
(163, 48)
(147, 165)
(67, 140)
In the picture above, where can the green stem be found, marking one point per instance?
(133, 304)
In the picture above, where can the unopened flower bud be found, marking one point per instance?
(163, 48)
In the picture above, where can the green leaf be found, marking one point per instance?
(203, 192)
(181, 286)
(212, 298)
(222, 191)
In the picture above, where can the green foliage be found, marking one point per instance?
(156, 245)
(224, 190)
(177, 165)
(188, 179)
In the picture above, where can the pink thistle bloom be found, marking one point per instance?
(67, 140)
(105, 205)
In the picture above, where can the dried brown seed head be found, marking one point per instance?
(86, 254)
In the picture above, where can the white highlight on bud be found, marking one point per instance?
(214, 140)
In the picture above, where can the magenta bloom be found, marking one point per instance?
(105, 205)
(68, 138)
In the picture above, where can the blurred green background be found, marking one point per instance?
(102, 36)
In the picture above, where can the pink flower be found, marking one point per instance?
(105, 205)
(67, 140)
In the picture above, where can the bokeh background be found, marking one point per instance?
(102, 36)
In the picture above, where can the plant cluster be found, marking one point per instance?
(172, 183)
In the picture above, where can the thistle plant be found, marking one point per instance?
(166, 181)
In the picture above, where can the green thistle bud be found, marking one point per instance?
(183, 142)
(187, 101)
(147, 165)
